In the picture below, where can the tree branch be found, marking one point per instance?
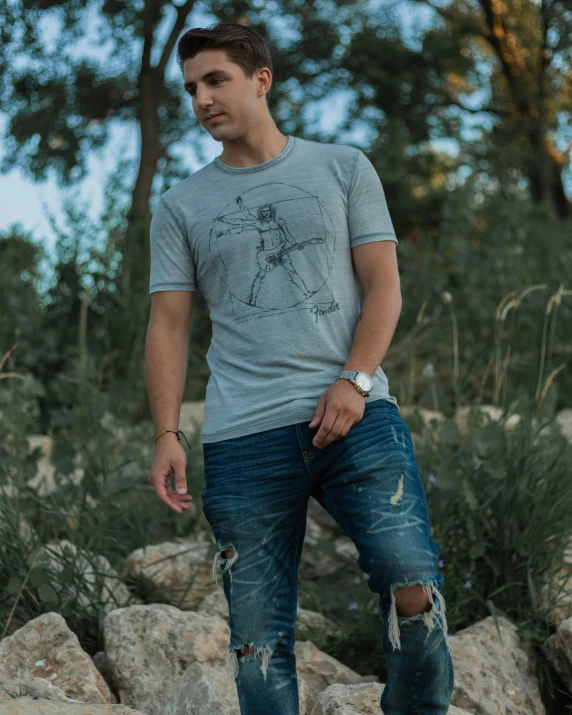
(182, 13)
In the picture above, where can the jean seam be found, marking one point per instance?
(336, 508)
(305, 463)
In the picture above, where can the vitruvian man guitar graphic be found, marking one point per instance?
(272, 249)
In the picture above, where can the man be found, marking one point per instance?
(297, 404)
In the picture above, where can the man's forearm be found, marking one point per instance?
(374, 331)
(166, 354)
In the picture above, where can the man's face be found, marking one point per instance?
(219, 87)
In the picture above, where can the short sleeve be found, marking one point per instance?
(172, 265)
(368, 215)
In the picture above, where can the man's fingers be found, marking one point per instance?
(179, 498)
(166, 493)
(180, 478)
(161, 484)
(328, 432)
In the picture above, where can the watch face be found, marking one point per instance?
(364, 381)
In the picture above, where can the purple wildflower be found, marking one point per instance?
(353, 606)
(441, 564)
(431, 477)
(357, 579)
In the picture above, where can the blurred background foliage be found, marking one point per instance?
(492, 218)
(485, 252)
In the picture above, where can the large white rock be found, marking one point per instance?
(149, 647)
(564, 421)
(95, 578)
(36, 688)
(360, 699)
(192, 418)
(318, 670)
(46, 648)
(207, 689)
(27, 706)
(558, 649)
(179, 568)
(493, 677)
(471, 417)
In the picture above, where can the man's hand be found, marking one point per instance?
(338, 409)
(170, 457)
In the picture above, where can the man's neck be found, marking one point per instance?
(254, 147)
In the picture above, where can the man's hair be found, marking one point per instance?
(243, 45)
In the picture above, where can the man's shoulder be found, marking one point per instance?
(328, 150)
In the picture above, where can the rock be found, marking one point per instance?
(346, 548)
(314, 532)
(318, 560)
(26, 533)
(564, 421)
(27, 706)
(360, 699)
(192, 418)
(173, 567)
(470, 417)
(204, 689)
(102, 664)
(493, 677)
(315, 565)
(45, 482)
(428, 417)
(315, 621)
(46, 648)
(318, 670)
(560, 596)
(208, 690)
(558, 649)
(30, 687)
(149, 647)
(215, 604)
(10, 491)
(94, 577)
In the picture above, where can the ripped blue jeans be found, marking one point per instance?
(255, 499)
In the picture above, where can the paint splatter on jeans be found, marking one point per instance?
(255, 499)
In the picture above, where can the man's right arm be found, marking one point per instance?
(166, 354)
(172, 285)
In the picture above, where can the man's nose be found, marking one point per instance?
(203, 99)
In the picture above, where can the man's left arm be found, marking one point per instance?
(373, 242)
(341, 406)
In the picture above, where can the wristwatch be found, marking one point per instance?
(360, 380)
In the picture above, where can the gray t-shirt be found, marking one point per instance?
(269, 247)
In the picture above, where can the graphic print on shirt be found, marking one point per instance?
(273, 247)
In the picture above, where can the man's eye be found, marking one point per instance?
(191, 92)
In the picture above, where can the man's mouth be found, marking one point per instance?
(214, 117)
